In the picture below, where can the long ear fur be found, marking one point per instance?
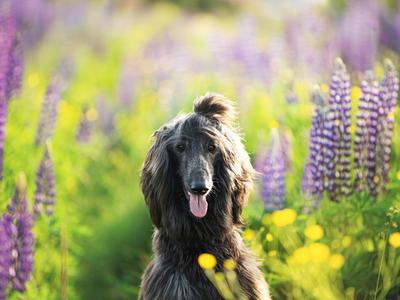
(215, 107)
(157, 181)
(242, 190)
(241, 171)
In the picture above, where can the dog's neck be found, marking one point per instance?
(229, 242)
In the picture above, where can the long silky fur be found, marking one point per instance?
(179, 238)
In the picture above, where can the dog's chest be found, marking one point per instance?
(184, 283)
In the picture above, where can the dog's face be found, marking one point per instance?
(195, 153)
(197, 168)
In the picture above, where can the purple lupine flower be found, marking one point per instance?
(314, 171)
(308, 39)
(22, 236)
(7, 40)
(56, 88)
(337, 133)
(251, 59)
(358, 34)
(274, 174)
(105, 116)
(33, 19)
(328, 164)
(48, 114)
(372, 129)
(16, 69)
(366, 133)
(6, 229)
(84, 128)
(390, 30)
(387, 104)
(45, 185)
(24, 246)
(11, 62)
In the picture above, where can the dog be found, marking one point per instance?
(196, 179)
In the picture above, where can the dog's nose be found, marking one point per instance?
(198, 188)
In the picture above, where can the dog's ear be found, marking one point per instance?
(155, 177)
(240, 173)
(243, 186)
(215, 107)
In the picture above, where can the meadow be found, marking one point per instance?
(83, 85)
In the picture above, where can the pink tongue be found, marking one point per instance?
(198, 205)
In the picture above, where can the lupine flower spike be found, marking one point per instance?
(11, 66)
(55, 90)
(84, 128)
(274, 174)
(22, 236)
(48, 114)
(366, 133)
(337, 133)
(314, 172)
(6, 229)
(45, 185)
(386, 113)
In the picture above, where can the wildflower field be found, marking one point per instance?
(84, 84)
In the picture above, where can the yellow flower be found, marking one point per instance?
(284, 217)
(319, 252)
(272, 253)
(336, 261)
(269, 237)
(314, 232)
(249, 234)
(355, 93)
(394, 239)
(229, 264)
(346, 241)
(398, 175)
(301, 255)
(207, 261)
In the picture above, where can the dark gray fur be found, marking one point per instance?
(179, 237)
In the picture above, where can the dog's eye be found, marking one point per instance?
(211, 148)
(180, 148)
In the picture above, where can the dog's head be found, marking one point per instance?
(197, 167)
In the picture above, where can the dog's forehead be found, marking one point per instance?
(195, 126)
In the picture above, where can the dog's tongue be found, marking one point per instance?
(198, 205)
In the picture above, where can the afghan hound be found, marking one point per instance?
(195, 179)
